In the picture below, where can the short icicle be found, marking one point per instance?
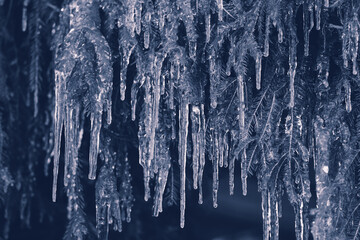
(348, 96)
(24, 15)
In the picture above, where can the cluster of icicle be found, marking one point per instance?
(174, 106)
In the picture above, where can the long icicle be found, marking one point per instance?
(183, 132)
(201, 152)
(241, 94)
(58, 126)
(258, 71)
(292, 69)
(231, 170)
(195, 134)
(215, 162)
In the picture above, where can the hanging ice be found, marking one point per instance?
(292, 72)
(308, 24)
(258, 71)
(24, 15)
(347, 96)
(267, 33)
(107, 203)
(183, 132)
(126, 49)
(213, 78)
(220, 9)
(195, 135)
(215, 176)
(201, 152)
(74, 71)
(241, 96)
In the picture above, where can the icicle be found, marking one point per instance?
(146, 184)
(220, 9)
(127, 50)
(173, 125)
(306, 29)
(226, 149)
(130, 18)
(326, 3)
(183, 132)
(231, 59)
(318, 13)
(221, 150)
(258, 71)
(348, 96)
(311, 15)
(208, 27)
(133, 105)
(162, 15)
(265, 213)
(323, 68)
(73, 138)
(155, 113)
(171, 91)
(24, 15)
(149, 137)
(192, 49)
(241, 95)
(161, 183)
(292, 71)
(244, 174)
(138, 82)
(108, 210)
(60, 99)
(108, 104)
(354, 49)
(215, 179)
(301, 216)
(162, 83)
(345, 50)
(146, 39)
(274, 219)
(213, 79)
(195, 135)
(202, 142)
(231, 170)
(68, 145)
(269, 214)
(280, 35)
(138, 10)
(35, 56)
(126, 190)
(354, 71)
(267, 36)
(216, 145)
(96, 120)
(147, 30)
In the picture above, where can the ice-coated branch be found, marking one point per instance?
(75, 74)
